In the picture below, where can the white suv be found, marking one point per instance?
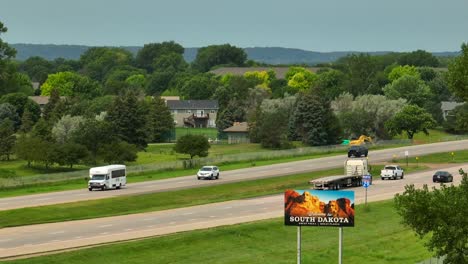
(208, 172)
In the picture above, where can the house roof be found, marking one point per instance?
(280, 71)
(446, 105)
(40, 100)
(192, 104)
(238, 127)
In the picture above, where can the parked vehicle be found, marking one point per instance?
(107, 177)
(354, 169)
(357, 151)
(392, 172)
(208, 172)
(442, 176)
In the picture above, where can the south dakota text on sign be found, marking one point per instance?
(318, 208)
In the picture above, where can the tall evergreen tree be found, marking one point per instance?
(313, 120)
(160, 120)
(7, 138)
(127, 117)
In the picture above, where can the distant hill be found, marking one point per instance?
(269, 55)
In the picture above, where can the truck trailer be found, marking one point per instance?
(354, 169)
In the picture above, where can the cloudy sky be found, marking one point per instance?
(330, 25)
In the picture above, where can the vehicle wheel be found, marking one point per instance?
(217, 176)
(451, 179)
(434, 181)
(198, 178)
(393, 177)
(118, 187)
(212, 177)
(382, 178)
(402, 175)
(103, 188)
(90, 189)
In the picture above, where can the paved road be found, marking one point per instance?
(186, 182)
(65, 235)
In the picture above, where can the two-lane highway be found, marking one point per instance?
(58, 236)
(258, 172)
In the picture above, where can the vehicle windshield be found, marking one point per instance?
(441, 173)
(206, 169)
(390, 168)
(98, 177)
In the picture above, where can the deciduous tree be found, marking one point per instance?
(440, 215)
(411, 119)
(458, 74)
(214, 55)
(7, 138)
(193, 145)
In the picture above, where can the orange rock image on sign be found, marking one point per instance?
(318, 208)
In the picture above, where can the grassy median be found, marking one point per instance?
(161, 201)
(378, 237)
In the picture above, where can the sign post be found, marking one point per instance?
(299, 245)
(366, 179)
(406, 155)
(340, 245)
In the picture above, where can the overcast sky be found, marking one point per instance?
(327, 25)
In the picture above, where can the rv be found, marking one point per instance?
(107, 177)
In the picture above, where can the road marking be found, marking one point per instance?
(187, 214)
(180, 182)
(102, 226)
(58, 232)
(193, 219)
(82, 194)
(104, 233)
(128, 229)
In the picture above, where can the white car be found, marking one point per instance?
(392, 172)
(208, 172)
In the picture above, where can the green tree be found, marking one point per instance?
(71, 84)
(42, 130)
(418, 58)
(115, 81)
(52, 110)
(159, 82)
(361, 74)
(193, 145)
(408, 87)
(199, 87)
(313, 120)
(64, 129)
(160, 120)
(439, 215)
(71, 153)
(127, 117)
(210, 56)
(118, 152)
(37, 68)
(21, 102)
(173, 62)
(411, 119)
(300, 78)
(94, 134)
(152, 55)
(457, 121)
(99, 61)
(8, 111)
(400, 71)
(7, 138)
(330, 83)
(27, 148)
(458, 74)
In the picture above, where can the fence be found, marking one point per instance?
(433, 261)
(181, 164)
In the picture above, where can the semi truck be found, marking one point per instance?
(354, 169)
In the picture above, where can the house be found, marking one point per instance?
(238, 133)
(447, 106)
(42, 100)
(194, 113)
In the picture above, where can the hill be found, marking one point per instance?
(269, 55)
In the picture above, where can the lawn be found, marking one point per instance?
(378, 237)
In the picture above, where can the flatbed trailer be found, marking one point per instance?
(336, 182)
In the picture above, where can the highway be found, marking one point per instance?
(258, 172)
(74, 234)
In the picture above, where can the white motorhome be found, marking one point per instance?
(107, 177)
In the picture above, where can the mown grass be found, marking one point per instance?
(161, 201)
(378, 237)
(444, 157)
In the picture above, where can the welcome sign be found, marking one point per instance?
(318, 208)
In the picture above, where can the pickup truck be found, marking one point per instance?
(392, 172)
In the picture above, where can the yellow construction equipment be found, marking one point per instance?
(361, 140)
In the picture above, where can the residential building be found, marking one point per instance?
(194, 113)
(447, 106)
(238, 133)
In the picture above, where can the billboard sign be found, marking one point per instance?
(318, 208)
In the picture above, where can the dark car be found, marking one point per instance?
(442, 176)
(357, 151)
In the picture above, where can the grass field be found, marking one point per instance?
(161, 201)
(378, 237)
